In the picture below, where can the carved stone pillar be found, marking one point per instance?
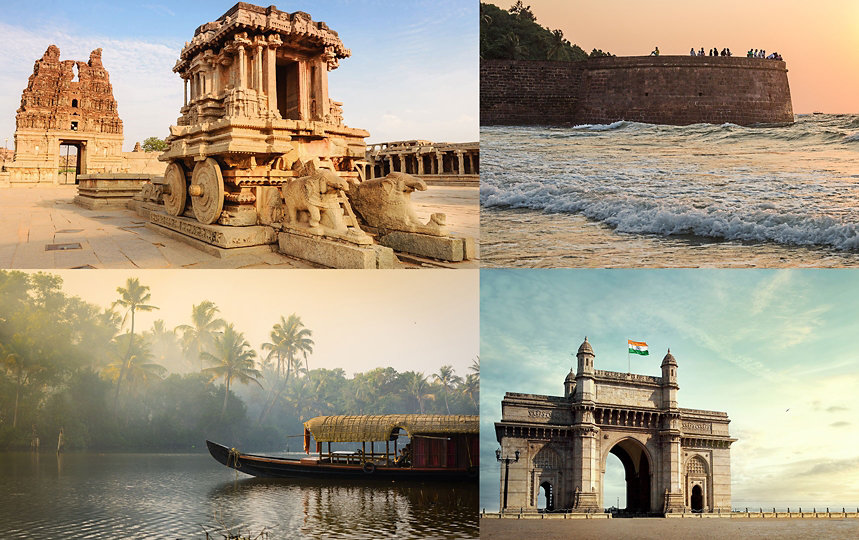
(459, 162)
(271, 74)
(440, 159)
(420, 163)
(216, 77)
(258, 68)
(242, 67)
(185, 81)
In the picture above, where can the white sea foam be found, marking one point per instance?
(759, 185)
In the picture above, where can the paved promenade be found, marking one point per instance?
(40, 228)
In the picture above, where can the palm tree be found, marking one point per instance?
(200, 334)
(418, 388)
(233, 359)
(447, 379)
(139, 367)
(471, 387)
(133, 298)
(164, 342)
(475, 366)
(289, 338)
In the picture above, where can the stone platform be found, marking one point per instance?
(34, 217)
(218, 236)
(444, 248)
(109, 190)
(334, 254)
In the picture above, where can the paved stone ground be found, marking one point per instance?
(33, 218)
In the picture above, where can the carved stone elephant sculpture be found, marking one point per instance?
(320, 198)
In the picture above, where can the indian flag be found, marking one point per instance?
(637, 347)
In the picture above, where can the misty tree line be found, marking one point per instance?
(109, 385)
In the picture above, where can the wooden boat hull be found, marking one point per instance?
(274, 467)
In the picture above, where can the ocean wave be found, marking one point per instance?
(628, 215)
(605, 127)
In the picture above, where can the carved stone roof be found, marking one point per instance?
(585, 347)
(296, 29)
(669, 359)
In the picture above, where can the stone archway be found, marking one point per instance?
(636, 464)
(548, 490)
(697, 497)
(697, 482)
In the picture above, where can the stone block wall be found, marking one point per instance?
(676, 90)
(528, 92)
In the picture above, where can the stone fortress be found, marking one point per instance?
(675, 459)
(677, 90)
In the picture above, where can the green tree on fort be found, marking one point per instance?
(515, 35)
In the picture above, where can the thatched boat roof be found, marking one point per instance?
(381, 426)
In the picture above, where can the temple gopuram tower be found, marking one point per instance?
(67, 103)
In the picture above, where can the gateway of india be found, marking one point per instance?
(675, 459)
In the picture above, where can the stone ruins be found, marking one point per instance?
(435, 163)
(675, 459)
(66, 103)
(260, 147)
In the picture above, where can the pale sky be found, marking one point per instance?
(413, 73)
(776, 350)
(818, 40)
(360, 320)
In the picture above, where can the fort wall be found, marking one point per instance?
(676, 90)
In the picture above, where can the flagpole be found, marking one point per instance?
(628, 370)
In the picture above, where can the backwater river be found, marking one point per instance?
(172, 496)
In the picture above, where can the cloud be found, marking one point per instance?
(836, 408)
(160, 9)
(825, 467)
(840, 424)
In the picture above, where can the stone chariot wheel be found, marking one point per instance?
(175, 196)
(207, 191)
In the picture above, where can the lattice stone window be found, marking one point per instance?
(546, 458)
(696, 466)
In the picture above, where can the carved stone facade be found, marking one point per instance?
(66, 103)
(675, 459)
(432, 162)
(257, 112)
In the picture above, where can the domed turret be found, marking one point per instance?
(570, 384)
(669, 381)
(585, 347)
(584, 388)
(669, 360)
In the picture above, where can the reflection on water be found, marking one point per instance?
(178, 496)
